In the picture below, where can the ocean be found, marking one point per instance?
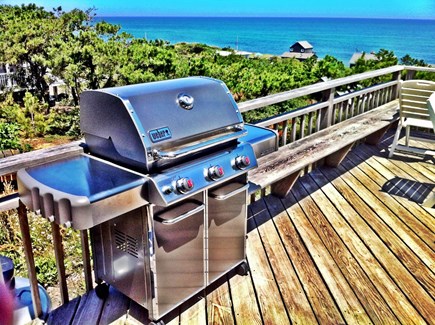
(339, 37)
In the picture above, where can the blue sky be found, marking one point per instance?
(412, 9)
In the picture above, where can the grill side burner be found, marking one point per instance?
(163, 187)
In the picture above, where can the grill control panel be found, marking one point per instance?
(177, 183)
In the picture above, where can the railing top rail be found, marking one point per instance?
(414, 68)
(312, 89)
(12, 164)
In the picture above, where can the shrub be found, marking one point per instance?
(9, 136)
(66, 122)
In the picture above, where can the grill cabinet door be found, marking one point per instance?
(226, 228)
(179, 254)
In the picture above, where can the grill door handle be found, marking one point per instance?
(181, 217)
(228, 195)
(167, 155)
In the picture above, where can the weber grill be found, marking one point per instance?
(162, 187)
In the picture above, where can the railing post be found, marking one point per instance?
(28, 252)
(397, 76)
(60, 256)
(86, 256)
(410, 74)
(326, 113)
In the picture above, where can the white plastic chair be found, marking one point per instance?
(415, 111)
(431, 108)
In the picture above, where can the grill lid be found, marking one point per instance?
(145, 125)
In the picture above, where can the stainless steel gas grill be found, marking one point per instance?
(163, 187)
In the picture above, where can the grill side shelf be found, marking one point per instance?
(80, 192)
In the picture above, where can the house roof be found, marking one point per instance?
(297, 55)
(358, 55)
(303, 44)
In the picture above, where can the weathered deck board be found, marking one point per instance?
(342, 248)
(219, 310)
(348, 303)
(292, 293)
(267, 292)
(322, 303)
(349, 228)
(422, 222)
(392, 252)
(348, 253)
(246, 310)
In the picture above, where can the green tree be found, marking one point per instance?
(25, 34)
(32, 117)
(329, 67)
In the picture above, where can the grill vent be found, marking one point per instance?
(126, 243)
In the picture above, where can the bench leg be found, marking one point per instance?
(337, 157)
(283, 187)
(374, 138)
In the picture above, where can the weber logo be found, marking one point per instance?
(160, 134)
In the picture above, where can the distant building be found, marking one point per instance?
(362, 55)
(245, 54)
(6, 76)
(301, 51)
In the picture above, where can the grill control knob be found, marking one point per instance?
(184, 185)
(216, 172)
(242, 162)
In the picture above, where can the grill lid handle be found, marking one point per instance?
(168, 155)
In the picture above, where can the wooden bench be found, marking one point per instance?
(281, 169)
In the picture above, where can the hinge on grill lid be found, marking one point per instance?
(126, 243)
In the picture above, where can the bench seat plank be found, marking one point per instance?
(332, 143)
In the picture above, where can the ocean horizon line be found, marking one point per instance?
(266, 17)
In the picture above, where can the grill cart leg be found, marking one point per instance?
(243, 268)
(102, 290)
(160, 322)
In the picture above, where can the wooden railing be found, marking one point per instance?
(332, 109)
(292, 126)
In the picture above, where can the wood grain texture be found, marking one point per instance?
(361, 241)
(89, 309)
(350, 254)
(322, 302)
(219, 307)
(115, 308)
(347, 301)
(266, 289)
(296, 302)
(246, 309)
(381, 239)
(64, 314)
(195, 315)
(14, 163)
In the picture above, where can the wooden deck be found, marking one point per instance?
(348, 245)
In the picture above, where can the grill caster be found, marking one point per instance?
(102, 290)
(242, 269)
